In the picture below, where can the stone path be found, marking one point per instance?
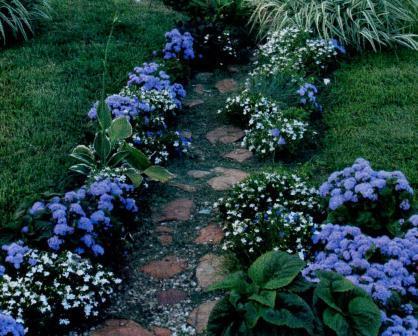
(178, 255)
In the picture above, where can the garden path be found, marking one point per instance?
(179, 254)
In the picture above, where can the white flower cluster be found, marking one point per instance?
(271, 132)
(292, 51)
(62, 288)
(269, 211)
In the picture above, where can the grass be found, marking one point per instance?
(372, 112)
(48, 84)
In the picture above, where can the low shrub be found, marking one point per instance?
(378, 202)
(50, 293)
(383, 267)
(360, 24)
(272, 298)
(266, 212)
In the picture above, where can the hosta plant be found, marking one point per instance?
(52, 293)
(360, 24)
(377, 201)
(272, 298)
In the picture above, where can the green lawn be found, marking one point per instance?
(371, 111)
(48, 84)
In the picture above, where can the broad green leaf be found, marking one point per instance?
(135, 176)
(274, 270)
(158, 173)
(104, 116)
(335, 281)
(102, 146)
(252, 314)
(117, 158)
(120, 129)
(266, 298)
(83, 150)
(324, 293)
(233, 281)
(292, 312)
(221, 318)
(136, 158)
(80, 168)
(336, 322)
(365, 316)
(299, 285)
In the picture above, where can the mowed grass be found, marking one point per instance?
(48, 84)
(371, 111)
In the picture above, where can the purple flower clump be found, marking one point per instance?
(80, 218)
(15, 253)
(178, 45)
(382, 266)
(9, 326)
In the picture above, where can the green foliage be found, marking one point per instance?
(274, 299)
(233, 12)
(17, 17)
(357, 23)
(110, 150)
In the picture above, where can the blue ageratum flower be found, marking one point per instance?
(15, 253)
(178, 45)
(9, 326)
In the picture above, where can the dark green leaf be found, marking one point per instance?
(365, 316)
(274, 270)
(104, 116)
(102, 146)
(158, 173)
(336, 321)
(120, 129)
(135, 176)
(232, 281)
(266, 297)
(81, 168)
(136, 158)
(117, 158)
(252, 314)
(221, 318)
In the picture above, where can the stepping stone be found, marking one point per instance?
(199, 89)
(171, 297)
(228, 178)
(166, 268)
(240, 155)
(177, 210)
(198, 173)
(226, 85)
(199, 317)
(121, 328)
(158, 331)
(225, 135)
(163, 229)
(210, 270)
(193, 103)
(185, 187)
(165, 239)
(204, 76)
(211, 234)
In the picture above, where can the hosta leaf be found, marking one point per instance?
(365, 316)
(336, 322)
(81, 168)
(82, 152)
(266, 298)
(104, 116)
(135, 176)
(233, 281)
(274, 270)
(136, 158)
(158, 173)
(292, 312)
(102, 146)
(120, 129)
(117, 158)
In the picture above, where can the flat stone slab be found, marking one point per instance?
(165, 268)
(121, 328)
(226, 85)
(185, 187)
(240, 155)
(165, 239)
(211, 234)
(193, 103)
(225, 135)
(198, 173)
(158, 331)
(177, 210)
(210, 270)
(199, 317)
(171, 297)
(227, 179)
(199, 89)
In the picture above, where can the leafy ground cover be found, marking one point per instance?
(48, 84)
(371, 112)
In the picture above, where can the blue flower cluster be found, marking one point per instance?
(384, 267)
(361, 195)
(81, 218)
(178, 45)
(149, 77)
(9, 326)
(15, 254)
(308, 93)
